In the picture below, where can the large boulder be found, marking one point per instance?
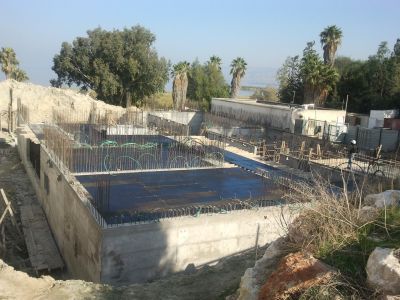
(295, 273)
(384, 199)
(383, 270)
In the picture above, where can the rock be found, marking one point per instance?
(383, 271)
(368, 214)
(295, 273)
(384, 199)
(253, 278)
(190, 269)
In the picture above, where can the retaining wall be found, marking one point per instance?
(76, 233)
(145, 251)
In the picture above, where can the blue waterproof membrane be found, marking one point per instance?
(173, 189)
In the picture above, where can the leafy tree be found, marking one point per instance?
(308, 80)
(238, 69)
(122, 67)
(207, 81)
(318, 78)
(330, 38)
(267, 94)
(374, 83)
(180, 84)
(290, 85)
(9, 65)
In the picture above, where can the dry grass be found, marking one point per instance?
(334, 228)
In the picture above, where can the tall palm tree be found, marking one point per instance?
(331, 38)
(238, 69)
(215, 61)
(180, 84)
(8, 61)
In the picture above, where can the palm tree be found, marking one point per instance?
(8, 61)
(215, 61)
(180, 84)
(19, 75)
(318, 78)
(331, 38)
(238, 69)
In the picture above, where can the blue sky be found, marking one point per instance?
(262, 32)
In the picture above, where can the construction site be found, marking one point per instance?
(127, 196)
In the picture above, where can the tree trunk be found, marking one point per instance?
(235, 86)
(128, 99)
(175, 92)
(184, 86)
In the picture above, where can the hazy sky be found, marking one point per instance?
(262, 32)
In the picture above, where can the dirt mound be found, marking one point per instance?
(207, 282)
(19, 285)
(41, 100)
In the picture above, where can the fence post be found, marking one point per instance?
(380, 137)
(357, 131)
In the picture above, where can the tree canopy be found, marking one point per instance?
(306, 80)
(10, 65)
(330, 38)
(371, 84)
(207, 81)
(122, 67)
(267, 94)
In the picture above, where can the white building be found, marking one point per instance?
(279, 116)
(377, 117)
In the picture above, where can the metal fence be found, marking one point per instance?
(139, 217)
(370, 138)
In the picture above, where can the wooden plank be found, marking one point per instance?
(10, 211)
(43, 252)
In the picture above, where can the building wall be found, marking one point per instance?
(377, 117)
(137, 253)
(276, 116)
(328, 115)
(76, 232)
(256, 113)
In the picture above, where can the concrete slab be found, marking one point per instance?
(181, 188)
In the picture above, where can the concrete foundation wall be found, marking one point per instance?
(193, 119)
(76, 232)
(141, 252)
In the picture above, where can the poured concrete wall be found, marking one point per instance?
(141, 252)
(271, 115)
(77, 234)
(193, 119)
